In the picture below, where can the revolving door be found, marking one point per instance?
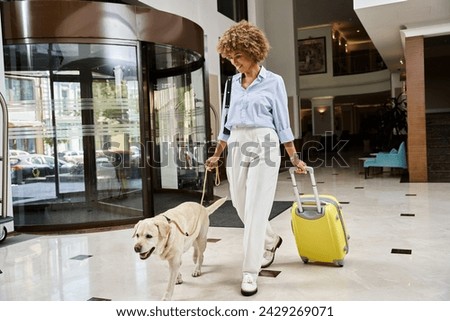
(99, 125)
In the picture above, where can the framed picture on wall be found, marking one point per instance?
(312, 58)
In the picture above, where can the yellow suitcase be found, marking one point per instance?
(318, 226)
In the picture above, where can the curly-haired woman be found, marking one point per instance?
(253, 126)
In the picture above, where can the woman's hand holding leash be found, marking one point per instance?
(212, 162)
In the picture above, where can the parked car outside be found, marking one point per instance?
(17, 152)
(34, 166)
(105, 169)
(72, 156)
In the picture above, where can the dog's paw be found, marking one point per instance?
(196, 273)
(179, 279)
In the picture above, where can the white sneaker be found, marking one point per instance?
(248, 286)
(269, 255)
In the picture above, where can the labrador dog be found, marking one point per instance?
(172, 233)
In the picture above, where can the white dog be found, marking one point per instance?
(172, 233)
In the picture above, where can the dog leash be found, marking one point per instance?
(176, 224)
(216, 182)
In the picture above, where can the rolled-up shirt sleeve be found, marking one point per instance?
(280, 112)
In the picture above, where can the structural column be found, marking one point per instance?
(417, 132)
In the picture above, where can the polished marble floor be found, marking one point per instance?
(399, 250)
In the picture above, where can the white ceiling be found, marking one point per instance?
(381, 21)
(384, 23)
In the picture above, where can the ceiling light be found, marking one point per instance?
(321, 110)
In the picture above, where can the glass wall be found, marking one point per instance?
(74, 132)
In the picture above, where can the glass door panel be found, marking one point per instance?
(69, 139)
(75, 105)
(180, 131)
(117, 141)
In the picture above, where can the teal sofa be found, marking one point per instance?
(393, 159)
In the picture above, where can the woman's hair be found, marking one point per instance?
(246, 38)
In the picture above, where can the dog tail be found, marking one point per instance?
(214, 206)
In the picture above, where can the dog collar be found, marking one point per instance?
(176, 224)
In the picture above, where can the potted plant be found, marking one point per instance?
(394, 123)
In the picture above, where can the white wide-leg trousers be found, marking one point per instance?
(252, 170)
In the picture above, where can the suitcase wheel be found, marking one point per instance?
(305, 259)
(339, 263)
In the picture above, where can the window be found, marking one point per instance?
(233, 9)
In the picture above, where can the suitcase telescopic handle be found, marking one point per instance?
(310, 170)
